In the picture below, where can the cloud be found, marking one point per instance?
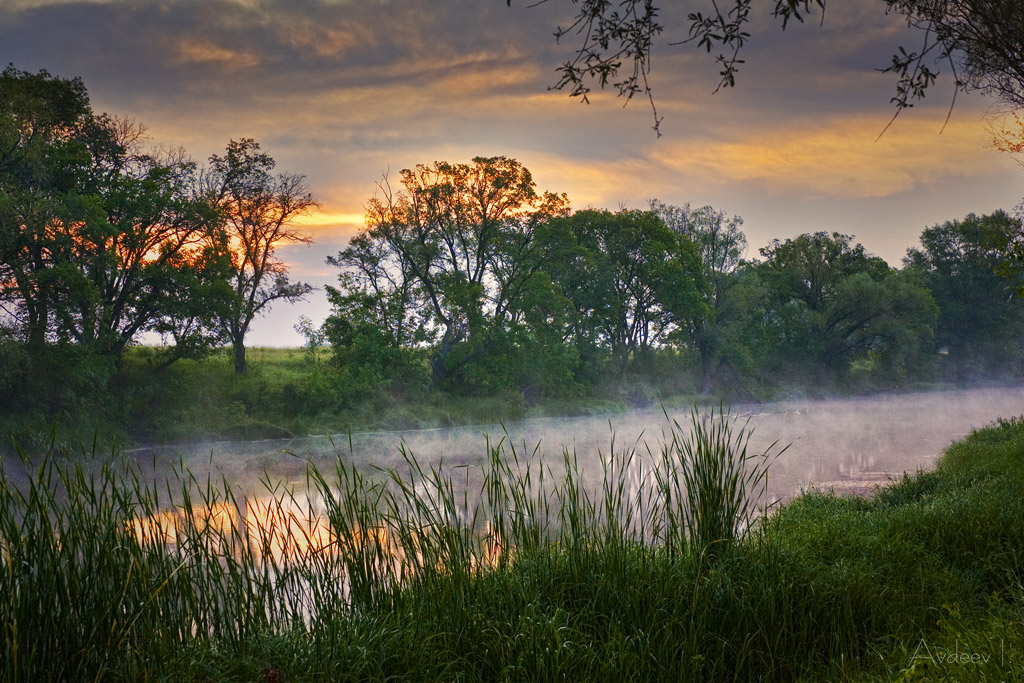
(343, 90)
(205, 52)
(838, 156)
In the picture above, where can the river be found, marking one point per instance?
(845, 445)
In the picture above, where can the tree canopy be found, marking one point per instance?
(980, 317)
(99, 241)
(446, 259)
(102, 241)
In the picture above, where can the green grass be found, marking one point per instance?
(286, 392)
(526, 574)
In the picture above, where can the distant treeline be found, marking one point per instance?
(466, 281)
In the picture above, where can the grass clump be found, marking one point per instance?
(717, 482)
(522, 571)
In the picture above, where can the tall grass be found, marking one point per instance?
(710, 483)
(524, 570)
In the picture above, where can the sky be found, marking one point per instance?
(347, 92)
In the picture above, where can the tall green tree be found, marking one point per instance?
(259, 211)
(831, 303)
(446, 260)
(43, 120)
(721, 244)
(631, 280)
(99, 239)
(980, 318)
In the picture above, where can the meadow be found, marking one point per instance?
(660, 574)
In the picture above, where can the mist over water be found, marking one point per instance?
(847, 445)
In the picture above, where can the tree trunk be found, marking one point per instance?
(238, 345)
(438, 366)
(438, 370)
(707, 375)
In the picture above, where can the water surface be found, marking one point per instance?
(846, 445)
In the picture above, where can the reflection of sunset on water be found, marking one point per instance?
(285, 530)
(277, 528)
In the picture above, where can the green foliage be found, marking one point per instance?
(979, 316)
(714, 331)
(447, 260)
(630, 280)
(466, 282)
(365, 349)
(100, 241)
(830, 305)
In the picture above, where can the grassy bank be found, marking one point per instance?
(285, 393)
(410, 579)
(301, 391)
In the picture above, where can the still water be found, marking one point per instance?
(845, 445)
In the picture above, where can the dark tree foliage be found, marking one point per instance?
(810, 267)
(981, 40)
(502, 288)
(720, 244)
(831, 304)
(447, 261)
(632, 282)
(99, 240)
(980, 318)
(259, 210)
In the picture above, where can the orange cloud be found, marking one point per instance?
(328, 41)
(205, 52)
(839, 156)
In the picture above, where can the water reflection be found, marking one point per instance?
(849, 446)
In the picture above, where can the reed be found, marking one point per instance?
(711, 482)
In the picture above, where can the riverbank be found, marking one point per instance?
(922, 582)
(296, 393)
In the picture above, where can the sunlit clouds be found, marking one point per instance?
(203, 52)
(840, 156)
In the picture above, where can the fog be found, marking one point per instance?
(848, 446)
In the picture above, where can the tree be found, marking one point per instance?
(980, 39)
(831, 303)
(979, 317)
(259, 210)
(720, 244)
(446, 260)
(810, 267)
(41, 119)
(99, 240)
(632, 281)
